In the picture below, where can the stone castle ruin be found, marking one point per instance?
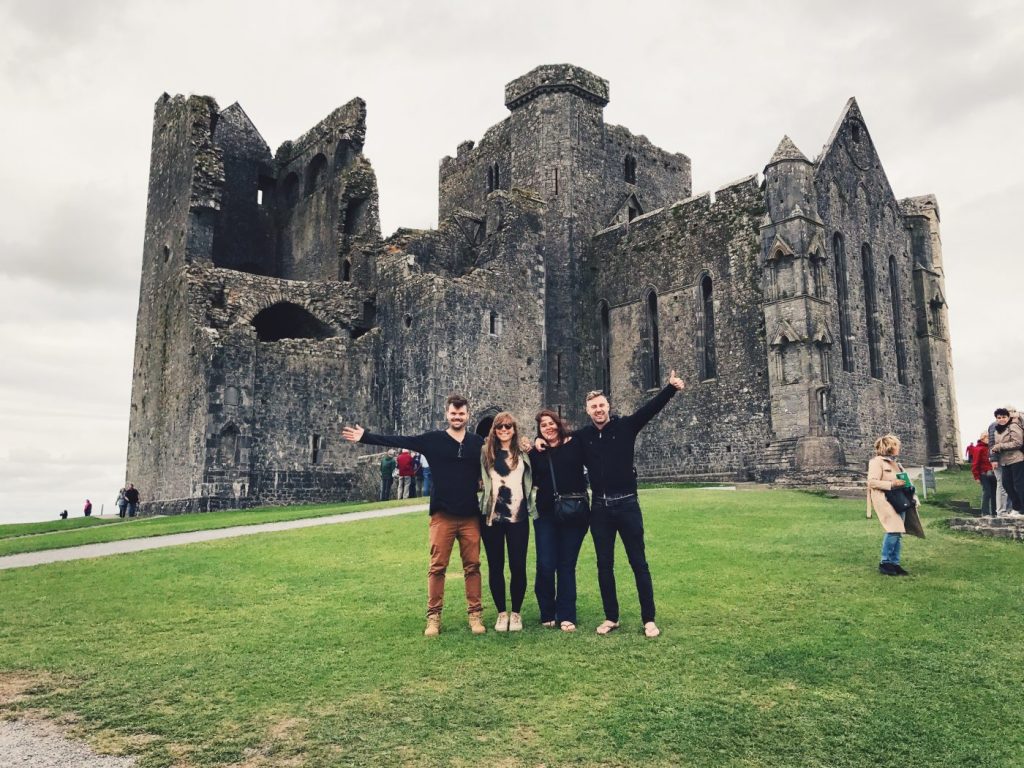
(804, 309)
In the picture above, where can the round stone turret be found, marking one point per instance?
(556, 78)
(789, 187)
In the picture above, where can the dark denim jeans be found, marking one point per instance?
(624, 518)
(558, 549)
(988, 495)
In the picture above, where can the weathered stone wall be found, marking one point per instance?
(244, 231)
(718, 426)
(477, 170)
(856, 202)
(168, 387)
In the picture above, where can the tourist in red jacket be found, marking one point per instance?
(406, 473)
(981, 466)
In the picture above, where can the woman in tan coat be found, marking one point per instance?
(882, 472)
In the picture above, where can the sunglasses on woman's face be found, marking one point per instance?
(504, 426)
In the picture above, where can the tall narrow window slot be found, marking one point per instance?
(650, 343)
(871, 312)
(897, 322)
(843, 300)
(708, 359)
(606, 354)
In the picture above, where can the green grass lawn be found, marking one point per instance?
(782, 646)
(8, 530)
(161, 526)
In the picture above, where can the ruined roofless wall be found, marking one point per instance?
(717, 427)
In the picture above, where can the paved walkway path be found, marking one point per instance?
(26, 559)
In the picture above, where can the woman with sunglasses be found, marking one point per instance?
(505, 506)
(558, 543)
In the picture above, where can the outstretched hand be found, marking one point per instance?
(353, 434)
(675, 381)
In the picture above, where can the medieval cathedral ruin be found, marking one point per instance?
(804, 308)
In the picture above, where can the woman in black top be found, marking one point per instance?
(558, 544)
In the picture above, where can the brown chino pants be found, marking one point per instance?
(444, 530)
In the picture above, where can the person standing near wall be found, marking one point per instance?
(1002, 500)
(981, 468)
(1009, 447)
(131, 494)
(454, 455)
(122, 503)
(882, 477)
(387, 474)
(405, 474)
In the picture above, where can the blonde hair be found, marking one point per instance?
(492, 444)
(887, 445)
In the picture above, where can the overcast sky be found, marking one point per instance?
(939, 84)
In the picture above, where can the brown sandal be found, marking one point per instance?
(568, 626)
(651, 629)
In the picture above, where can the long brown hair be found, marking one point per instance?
(560, 425)
(492, 444)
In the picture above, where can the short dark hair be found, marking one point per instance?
(456, 401)
(1001, 412)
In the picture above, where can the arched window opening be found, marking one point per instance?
(316, 449)
(709, 367)
(629, 169)
(355, 212)
(497, 176)
(650, 342)
(606, 348)
(290, 188)
(494, 323)
(289, 321)
(346, 271)
(490, 179)
(897, 322)
(871, 312)
(228, 444)
(344, 153)
(843, 299)
(314, 173)
(855, 132)
(818, 289)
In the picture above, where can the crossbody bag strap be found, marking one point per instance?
(551, 466)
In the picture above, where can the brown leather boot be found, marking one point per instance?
(476, 624)
(433, 625)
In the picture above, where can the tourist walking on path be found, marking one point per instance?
(122, 503)
(557, 543)
(132, 496)
(882, 480)
(1009, 448)
(609, 445)
(454, 456)
(87, 509)
(505, 505)
(981, 468)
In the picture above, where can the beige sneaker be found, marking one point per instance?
(433, 626)
(501, 625)
(515, 622)
(476, 626)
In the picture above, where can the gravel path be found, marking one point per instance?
(30, 744)
(176, 539)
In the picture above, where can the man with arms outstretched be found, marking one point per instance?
(608, 449)
(454, 456)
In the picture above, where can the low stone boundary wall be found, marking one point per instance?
(1000, 527)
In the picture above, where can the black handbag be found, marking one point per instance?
(570, 508)
(901, 499)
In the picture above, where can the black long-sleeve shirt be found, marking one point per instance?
(609, 453)
(567, 460)
(454, 467)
